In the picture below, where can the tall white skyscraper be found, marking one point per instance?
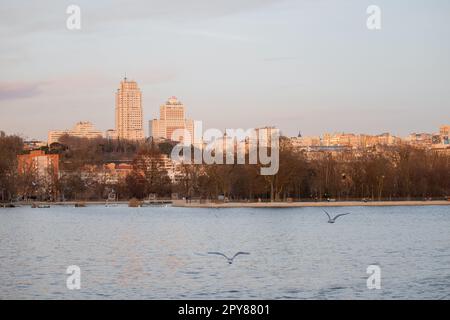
(171, 117)
(129, 123)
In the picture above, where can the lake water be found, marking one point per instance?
(161, 253)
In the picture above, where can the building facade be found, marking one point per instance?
(83, 129)
(129, 115)
(444, 132)
(111, 134)
(39, 164)
(172, 117)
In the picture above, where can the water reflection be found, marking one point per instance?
(147, 253)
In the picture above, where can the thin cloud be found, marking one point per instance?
(215, 35)
(277, 59)
(48, 16)
(16, 90)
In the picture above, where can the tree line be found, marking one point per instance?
(378, 173)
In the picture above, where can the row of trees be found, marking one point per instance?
(391, 173)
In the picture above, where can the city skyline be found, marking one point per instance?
(129, 125)
(128, 98)
(226, 155)
(297, 65)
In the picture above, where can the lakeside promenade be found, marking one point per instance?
(210, 204)
(196, 204)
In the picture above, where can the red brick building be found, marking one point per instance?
(39, 163)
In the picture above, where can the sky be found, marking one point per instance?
(302, 65)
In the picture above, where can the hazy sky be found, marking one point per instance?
(308, 65)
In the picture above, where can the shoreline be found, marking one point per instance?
(183, 204)
(196, 204)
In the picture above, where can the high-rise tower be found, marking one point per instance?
(171, 118)
(129, 123)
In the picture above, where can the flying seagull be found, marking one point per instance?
(230, 260)
(333, 220)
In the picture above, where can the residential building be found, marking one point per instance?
(444, 130)
(172, 117)
(111, 134)
(39, 164)
(129, 115)
(82, 129)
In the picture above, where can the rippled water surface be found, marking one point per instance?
(159, 253)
